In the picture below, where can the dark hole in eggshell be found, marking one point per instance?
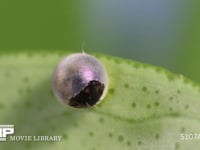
(89, 96)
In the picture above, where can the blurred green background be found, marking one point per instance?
(159, 32)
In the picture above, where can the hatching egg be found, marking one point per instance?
(80, 80)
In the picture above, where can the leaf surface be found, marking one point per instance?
(146, 107)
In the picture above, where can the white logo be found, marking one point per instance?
(6, 130)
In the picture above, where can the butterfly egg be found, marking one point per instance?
(80, 80)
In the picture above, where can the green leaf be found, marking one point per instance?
(146, 107)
